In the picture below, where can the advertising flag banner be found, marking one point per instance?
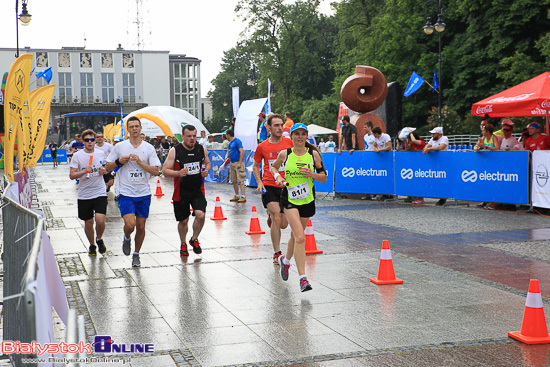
(415, 82)
(235, 95)
(268, 109)
(46, 74)
(16, 95)
(40, 111)
(540, 187)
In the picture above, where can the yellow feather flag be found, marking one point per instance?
(41, 99)
(16, 95)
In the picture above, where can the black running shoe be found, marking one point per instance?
(196, 246)
(101, 246)
(183, 250)
(92, 251)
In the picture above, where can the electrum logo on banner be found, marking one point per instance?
(351, 172)
(541, 175)
(408, 174)
(473, 176)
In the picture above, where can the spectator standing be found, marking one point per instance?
(330, 145)
(322, 145)
(438, 142)
(237, 173)
(382, 141)
(536, 140)
(210, 143)
(369, 137)
(225, 141)
(288, 120)
(509, 142)
(138, 161)
(348, 135)
(488, 140)
(203, 138)
(53, 149)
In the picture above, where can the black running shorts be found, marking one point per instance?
(273, 194)
(182, 209)
(86, 208)
(306, 210)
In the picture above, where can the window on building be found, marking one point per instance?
(186, 91)
(86, 88)
(108, 87)
(65, 89)
(129, 88)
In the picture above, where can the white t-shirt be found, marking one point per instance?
(510, 143)
(131, 179)
(369, 141)
(93, 187)
(209, 145)
(203, 141)
(322, 146)
(330, 145)
(438, 142)
(382, 140)
(106, 148)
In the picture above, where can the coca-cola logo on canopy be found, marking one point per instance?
(545, 104)
(484, 109)
(538, 111)
(520, 97)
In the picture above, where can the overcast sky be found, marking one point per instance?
(197, 28)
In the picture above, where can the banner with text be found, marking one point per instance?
(329, 161)
(540, 187)
(365, 172)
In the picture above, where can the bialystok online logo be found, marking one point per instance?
(101, 344)
(351, 172)
(473, 176)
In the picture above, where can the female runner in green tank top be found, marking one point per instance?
(298, 196)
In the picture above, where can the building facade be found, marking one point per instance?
(185, 84)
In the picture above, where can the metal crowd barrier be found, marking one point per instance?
(22, 230)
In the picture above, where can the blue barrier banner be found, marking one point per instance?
(425, 175)
(499, 177)
(365, 172)
(216, 173)
(46, 156)
(329, 161)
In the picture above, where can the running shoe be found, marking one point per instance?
(241, 200)
(304, 285)
(276, 257)
(101, 246)
(196, 246)
(419, 201)
(136, 263)
(126, 245)
(235, 198)
(92, 251)
(269, 221)
(408, 199)
(183, 250)
(441, 202)
(284, 268)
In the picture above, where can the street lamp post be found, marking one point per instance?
(429, 29)
(24, 18)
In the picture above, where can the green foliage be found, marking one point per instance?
(487, 46)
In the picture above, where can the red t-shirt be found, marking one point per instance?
(418, 147)
(268, 152)
(542, 143)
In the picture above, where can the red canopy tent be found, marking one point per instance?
(530, 98)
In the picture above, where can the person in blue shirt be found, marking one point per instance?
(263, 134)
(237, 173)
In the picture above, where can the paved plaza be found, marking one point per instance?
(466, 272)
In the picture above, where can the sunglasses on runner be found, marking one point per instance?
(88, 140)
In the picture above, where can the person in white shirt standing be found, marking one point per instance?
(369, 137)
(382, 141)
(330, 145)
(322, 145)
(438, 142)
(86, 166)
(138, 161)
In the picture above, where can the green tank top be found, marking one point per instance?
(300, 188)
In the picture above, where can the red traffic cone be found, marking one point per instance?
(533, 327)
(386, 274)
(218, 212)
(254, 223)
(311, 244)
(159, 189)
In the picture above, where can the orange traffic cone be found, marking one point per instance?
(218, 212)
(311, 244)
(386, 274)
(533, 327)
(159, 189)
(254, 223)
